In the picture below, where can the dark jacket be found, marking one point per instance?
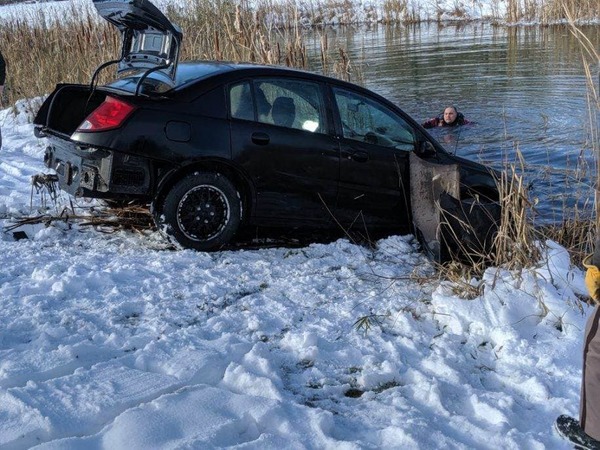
(2, 70)
(439, 121)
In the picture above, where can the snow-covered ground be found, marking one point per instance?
(113, 341)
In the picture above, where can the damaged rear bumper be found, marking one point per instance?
(98, 173)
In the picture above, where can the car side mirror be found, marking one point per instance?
(425, 148)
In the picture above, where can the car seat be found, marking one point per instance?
(283, 111)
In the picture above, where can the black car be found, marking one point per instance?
(213, 146)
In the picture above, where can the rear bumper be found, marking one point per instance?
(98, 173)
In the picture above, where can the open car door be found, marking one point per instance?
(447, 225)
(149, 40)
(428, 181)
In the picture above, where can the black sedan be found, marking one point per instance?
(214, 146)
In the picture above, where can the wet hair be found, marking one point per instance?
(460, 118)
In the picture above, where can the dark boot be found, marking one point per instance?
(570, 429)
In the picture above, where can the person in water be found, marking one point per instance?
(449, 118)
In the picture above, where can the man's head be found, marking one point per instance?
(450, 115)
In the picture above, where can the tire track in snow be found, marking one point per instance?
(89, 399)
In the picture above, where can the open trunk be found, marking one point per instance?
(83, 158)
(66, 108)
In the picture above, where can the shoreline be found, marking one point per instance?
(315, 14)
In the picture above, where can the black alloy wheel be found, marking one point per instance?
(202, 211)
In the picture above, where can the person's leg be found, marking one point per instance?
(589, 411)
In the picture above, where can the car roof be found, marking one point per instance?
(225, 66)
(211, 73)
(242, 69)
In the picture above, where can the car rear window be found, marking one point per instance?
(159, 83)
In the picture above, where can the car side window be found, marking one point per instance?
(366, 120)
(285, 103)
(291, 104)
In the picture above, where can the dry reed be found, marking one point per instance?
(578, 234)
(549, 11)
(68, 51)
(514, 245)
(266, 31)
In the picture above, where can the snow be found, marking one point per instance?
(113, 341)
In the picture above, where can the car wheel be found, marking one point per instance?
(202, 212)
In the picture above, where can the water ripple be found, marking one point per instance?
(523, 86)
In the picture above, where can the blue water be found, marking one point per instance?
(525, 88)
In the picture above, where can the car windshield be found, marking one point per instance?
(159, 83)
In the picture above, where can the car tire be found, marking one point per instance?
(202, 212)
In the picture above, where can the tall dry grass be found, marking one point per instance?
(399, 11)
(515, 243)
(42, 51)
(580, 236)
(548, 11)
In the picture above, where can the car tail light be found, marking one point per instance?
(109, 115)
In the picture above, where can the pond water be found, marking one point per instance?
(525, 88)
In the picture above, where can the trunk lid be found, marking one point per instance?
(149, 40)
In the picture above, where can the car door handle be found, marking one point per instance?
(260, 138)
(358, 156)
